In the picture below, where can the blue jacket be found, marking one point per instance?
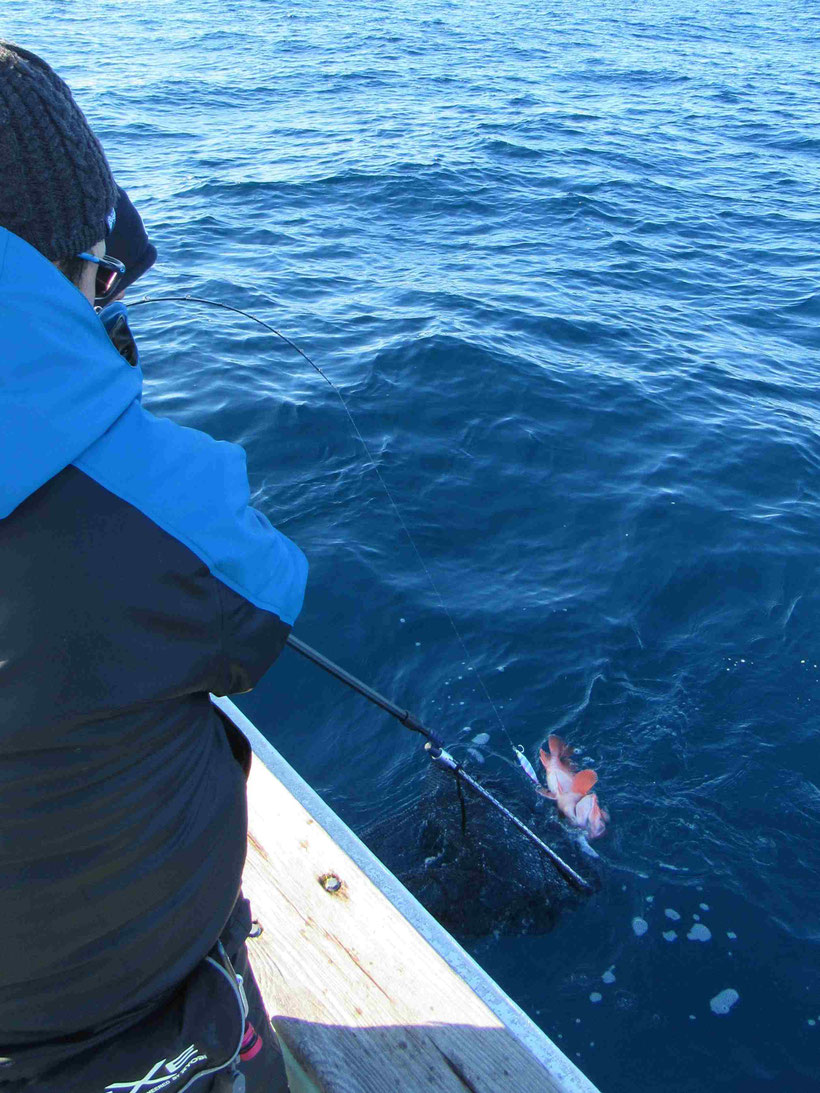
(134, 579)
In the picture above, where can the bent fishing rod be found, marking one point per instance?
(435, 745)
(517, 749)
(436, 751)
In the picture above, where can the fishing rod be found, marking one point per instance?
(518, 750)
(435, 745)
(437, 753)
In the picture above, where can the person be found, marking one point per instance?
(136, 578)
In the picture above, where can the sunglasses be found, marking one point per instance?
(109, 272)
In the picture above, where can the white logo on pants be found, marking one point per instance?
(173, 1069)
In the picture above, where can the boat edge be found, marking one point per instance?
(508, 1012)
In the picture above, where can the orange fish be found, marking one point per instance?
(570, 790)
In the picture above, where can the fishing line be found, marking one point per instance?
(517, 749)
(463, 808)
(434, 746)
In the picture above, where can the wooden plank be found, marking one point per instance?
(362, 1002)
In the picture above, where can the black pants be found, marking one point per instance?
(169, 1028)
(265, 1071)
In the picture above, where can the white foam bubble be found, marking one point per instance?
(723, 1002)
(696, 918)
(703, 906)
(670, 913)
(699, 932)
(732, 936)
(811, 1021)
(670, 935)
(481, 738)
(596, 996)
(639, 926)
(650, 899)
(609, 975)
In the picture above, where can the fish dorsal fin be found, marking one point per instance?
(557, 747)
(583, 781)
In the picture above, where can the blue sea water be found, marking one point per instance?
(563, 263)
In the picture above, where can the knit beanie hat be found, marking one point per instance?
(56, 188)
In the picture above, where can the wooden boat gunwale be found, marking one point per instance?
(560, 1074)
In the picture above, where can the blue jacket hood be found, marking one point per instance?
(62, 382)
